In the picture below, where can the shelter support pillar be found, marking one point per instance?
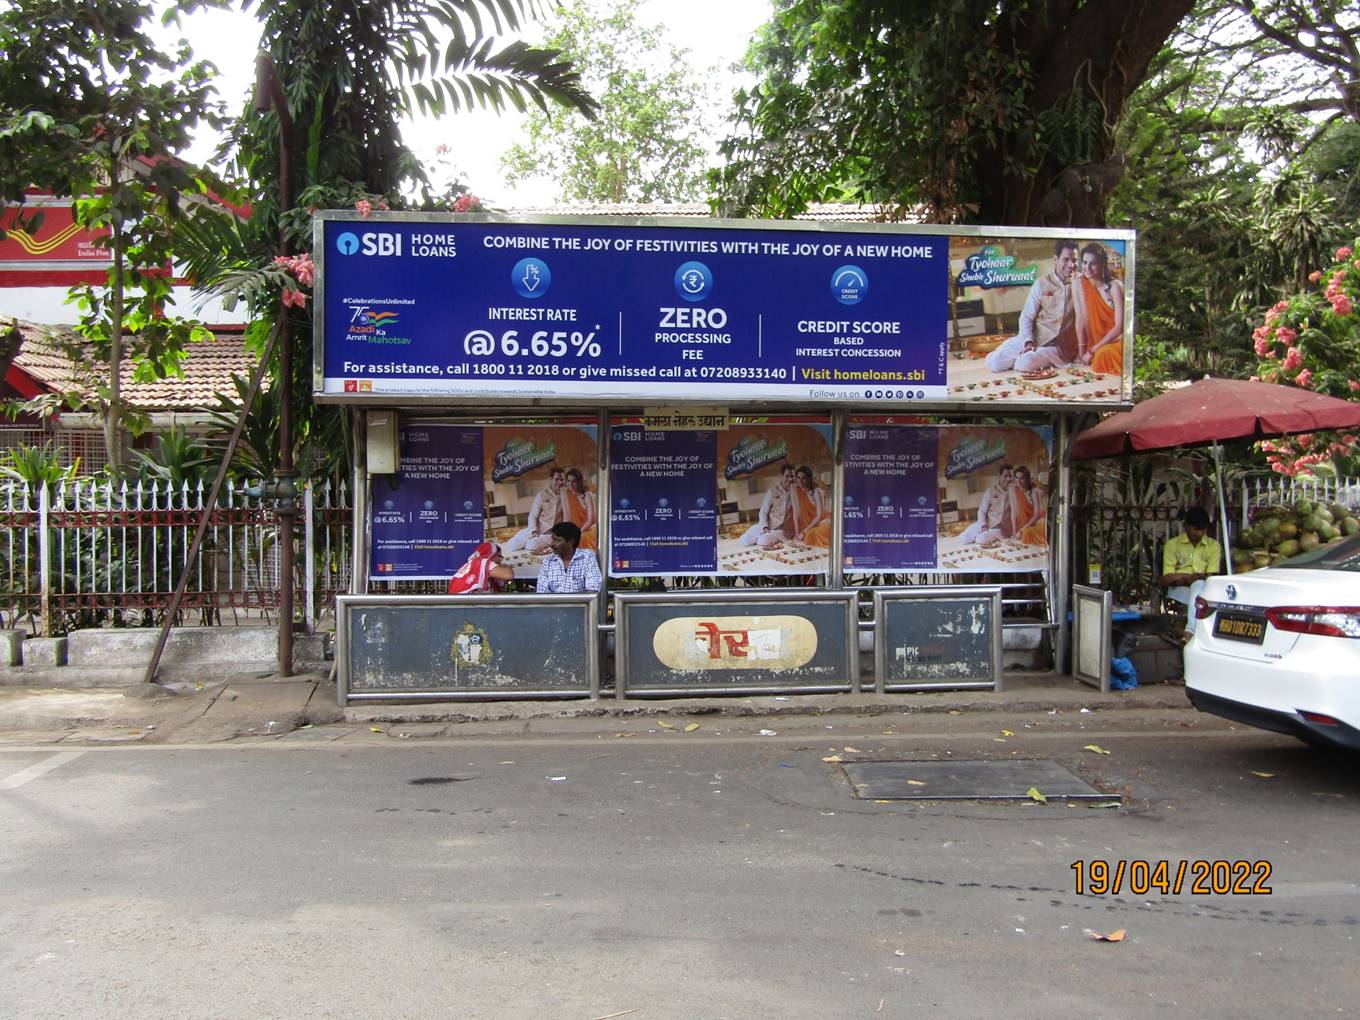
(1062, 533)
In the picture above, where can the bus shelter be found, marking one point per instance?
(787, 443)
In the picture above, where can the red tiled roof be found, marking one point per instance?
(208, 367)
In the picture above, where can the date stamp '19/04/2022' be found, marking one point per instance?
(1203, 877)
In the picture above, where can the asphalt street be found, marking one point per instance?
(629, 869)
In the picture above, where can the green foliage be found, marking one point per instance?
(37, 466)
(178, 458)
(1232, 204)
(91, 108)
(966, 110)
(645, 144)
(1312, 340)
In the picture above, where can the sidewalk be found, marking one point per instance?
(210, 713)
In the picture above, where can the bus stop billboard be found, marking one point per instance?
(425, 308)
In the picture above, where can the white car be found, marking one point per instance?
(1279, 648)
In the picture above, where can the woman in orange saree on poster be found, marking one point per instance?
(1028, 510)
(1100, 312)
(811, 519)
(579, 504)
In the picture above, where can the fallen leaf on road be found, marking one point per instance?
(852, 750)
(375, 729)
(1095, 748)
(955, 711)
(1106, 804)
(691, 727)
(664, 725)
(1035, 795)
(915, 782)
(769, 733)
(1263, 775)
(832, 759)
(1114, 936)
(998, 740)
(1007, 733)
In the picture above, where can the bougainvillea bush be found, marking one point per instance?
(1312, 340)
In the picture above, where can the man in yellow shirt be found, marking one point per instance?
(1187, 560)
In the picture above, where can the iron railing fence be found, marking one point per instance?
(1124, 513)
(85, 553)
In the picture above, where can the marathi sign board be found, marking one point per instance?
(467, 646)
(736, 643)
(932, 638)
(421, 308)
(459, 485)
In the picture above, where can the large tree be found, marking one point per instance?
(344, 76)
(964, 110)
(648, 143)
(93, 109)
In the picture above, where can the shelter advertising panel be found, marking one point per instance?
(750, 500)
(427, 647)
(737, 642)
(948, 499)
(938, 638)
(461, 485)
(418, 306)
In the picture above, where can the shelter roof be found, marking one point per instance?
(836, 212)
(208, 367)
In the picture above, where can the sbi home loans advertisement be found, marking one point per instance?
(750, 500)
(458, 486)
(472, 309)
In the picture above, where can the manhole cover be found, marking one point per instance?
(967, 780)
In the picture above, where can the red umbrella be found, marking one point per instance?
(1215, 410)
(1211, 411)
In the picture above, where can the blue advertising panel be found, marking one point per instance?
(946, 499)
(890, 507)
(663, 487)
(414, 306)
(428, 515)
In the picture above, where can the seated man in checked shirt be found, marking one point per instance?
(569, 569)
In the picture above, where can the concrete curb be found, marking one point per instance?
(234, 708)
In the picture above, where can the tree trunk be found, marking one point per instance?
(113, 415)
(1101, 51)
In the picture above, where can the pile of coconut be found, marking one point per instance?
(1278, 532)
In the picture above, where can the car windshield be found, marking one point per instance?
(1343, 555)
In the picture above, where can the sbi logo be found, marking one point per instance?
(370, 243)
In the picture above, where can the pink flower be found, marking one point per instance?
(1315, 276)
(1292, 359)
(1286, 334)
(1341, 305)
(1304, 378)
(383, 205)
(1304, 438)
(363, 207)
(1262, 348)
(441, 149)
(1355, 386)
(466, 203)
(294, 297)
(1344, 252)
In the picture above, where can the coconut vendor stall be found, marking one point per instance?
(785, 443)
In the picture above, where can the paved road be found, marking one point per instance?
(662, 875)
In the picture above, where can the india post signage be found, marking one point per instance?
(469, 310)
